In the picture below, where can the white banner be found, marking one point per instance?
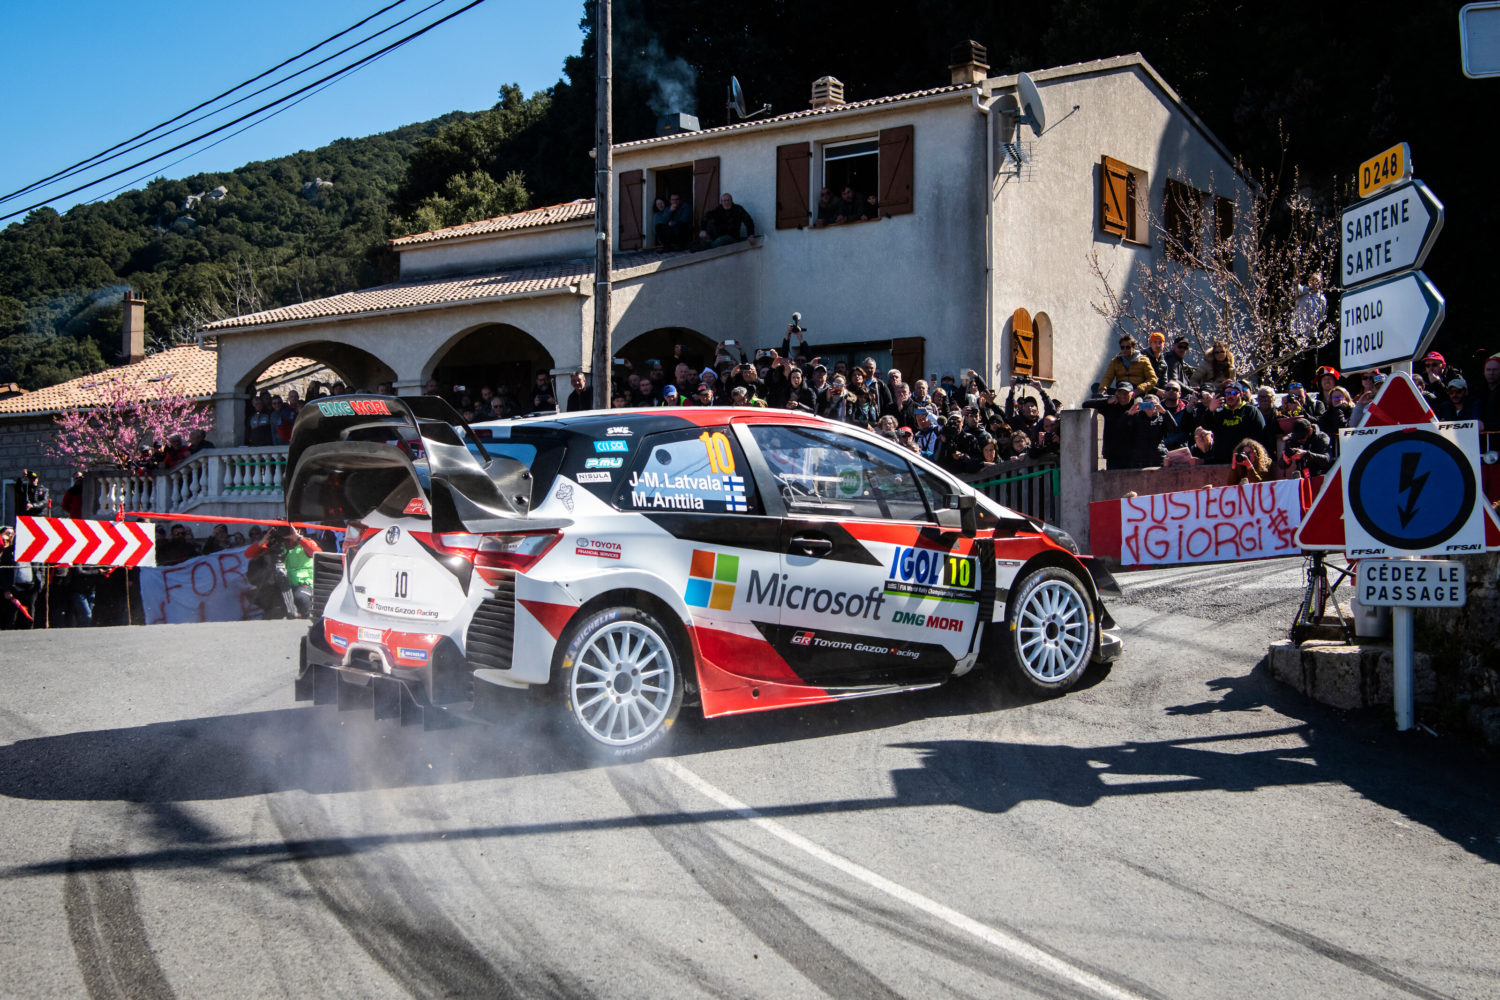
(212, 588)
(1226, 524)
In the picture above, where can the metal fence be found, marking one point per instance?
(1030, 487)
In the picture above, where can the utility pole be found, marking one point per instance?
(603, 208)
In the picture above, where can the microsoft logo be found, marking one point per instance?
(711, 580)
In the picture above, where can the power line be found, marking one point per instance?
(97, 157)
(248, 115)
(255, 93)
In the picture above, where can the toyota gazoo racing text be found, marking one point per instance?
(628, 562)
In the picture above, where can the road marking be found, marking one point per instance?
(1008, 943)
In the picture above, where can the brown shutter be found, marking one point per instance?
(908, 354)
(1224, 231)
(1041, 350)
(1115, 204)
(793, 169)
(632, 184)
(1022, 343)
(897, 170)
(705, 185)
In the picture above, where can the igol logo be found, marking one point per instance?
(392, 535)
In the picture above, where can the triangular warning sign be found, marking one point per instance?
(1398, 403)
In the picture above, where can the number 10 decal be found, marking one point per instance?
(720, 457)
(401, 583)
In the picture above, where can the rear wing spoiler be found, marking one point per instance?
(414, 455)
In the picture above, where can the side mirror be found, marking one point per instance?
(965, 504)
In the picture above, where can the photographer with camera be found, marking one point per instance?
(32, 498)
(1250, 464)
(1023, 415)
(285, 572)
(1306, 450)
(795, 329)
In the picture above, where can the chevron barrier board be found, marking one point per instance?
(68, 542)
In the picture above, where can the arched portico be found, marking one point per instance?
(324, 360)
(495, 356)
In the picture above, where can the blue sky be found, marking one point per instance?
(83, 75)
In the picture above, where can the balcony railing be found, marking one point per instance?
(213, 476)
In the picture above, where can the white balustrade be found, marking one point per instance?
(214, 475)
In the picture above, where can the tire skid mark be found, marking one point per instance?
(104, 923)
(798, 943)
(392, 916)
(1349, 959)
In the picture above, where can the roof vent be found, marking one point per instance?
(676, 123)
(969, 62)
(827, 92)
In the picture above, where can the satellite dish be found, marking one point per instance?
(1032, 112)
(737, 105)
(736, 97)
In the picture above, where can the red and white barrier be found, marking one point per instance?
(68, 542)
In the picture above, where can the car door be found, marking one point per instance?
(872, 591)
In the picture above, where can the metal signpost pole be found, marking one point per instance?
(603, 210)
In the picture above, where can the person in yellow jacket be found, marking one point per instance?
(1130, 365)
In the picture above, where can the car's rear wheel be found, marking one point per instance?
(1050, 632)
(621, 678)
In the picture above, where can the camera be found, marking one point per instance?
(1022, 380)
(731, 343)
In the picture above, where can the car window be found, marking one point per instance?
(694, 469)
(821, 471)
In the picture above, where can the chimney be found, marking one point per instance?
(133, 329)
(827, 92)
(969, 62)
(676, 123)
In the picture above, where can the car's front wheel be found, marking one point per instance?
(1050, 631)
(621, 679)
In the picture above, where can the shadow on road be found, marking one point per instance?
(318, 751)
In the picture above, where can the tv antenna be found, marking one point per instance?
(736, 106)
(1025, 108)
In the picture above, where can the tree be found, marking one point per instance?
(124, 424)
(1229, 269)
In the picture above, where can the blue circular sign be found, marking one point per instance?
(1413, 489)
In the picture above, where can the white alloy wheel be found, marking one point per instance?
(1051, 631)
(623, 687)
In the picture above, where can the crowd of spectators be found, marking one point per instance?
(959, 422)
(1160, 410)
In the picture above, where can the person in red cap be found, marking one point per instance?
(1433, 375)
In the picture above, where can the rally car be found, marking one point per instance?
(627, 562)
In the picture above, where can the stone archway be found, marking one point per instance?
(295, 367)
(668, 344)
(504, 359)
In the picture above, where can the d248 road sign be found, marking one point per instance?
(1388, 233)
(1388, 321)
(1412, 491)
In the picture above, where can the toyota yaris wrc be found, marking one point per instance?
(628, 562)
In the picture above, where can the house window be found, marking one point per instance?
(1122, 190)
(1031, 344)
(1196, 224)
(852, 164)
(882, 166)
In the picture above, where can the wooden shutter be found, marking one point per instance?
(1022, 343)
(1224, 231)
(705, 185)
(1041, 351)
(793, 170)
(897, 170)
(909, 354)
(1116, 206)
(632, 184)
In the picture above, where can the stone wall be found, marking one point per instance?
(21, 440)
(1464, 644)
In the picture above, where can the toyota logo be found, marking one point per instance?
(392, 535)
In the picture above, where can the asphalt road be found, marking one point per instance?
(175, 825)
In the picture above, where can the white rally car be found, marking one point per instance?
(630, 561)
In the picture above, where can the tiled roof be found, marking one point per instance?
(568, 211)
(414, 294)
(795, 115)
(194, 371)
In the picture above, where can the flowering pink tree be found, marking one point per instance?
(125, 421)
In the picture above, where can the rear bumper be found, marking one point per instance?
(360, 677)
